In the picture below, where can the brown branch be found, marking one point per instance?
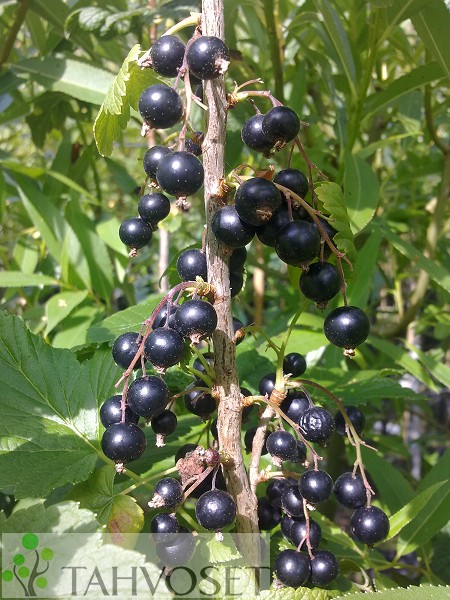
(12, 35)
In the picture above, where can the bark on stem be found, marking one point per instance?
(227, 382)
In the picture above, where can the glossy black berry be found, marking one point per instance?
(110, 412)
(268, 515)
(196, 320)
(153, 208)
(208, 57)
(248, 440)
(276, 487)
(292, 568)
(321, 282)
(294, 180)
(280, 124)
(294, 363)
(268, 233)
(236, 283)
(238, 258)
(165, 528)
(253, 137)
(166, 55)
(230, 229)
(135, 233)
(123, 442)
(179, 551)
(294, 405)
(282, 445)
(355, 415)
(165, 423)
(180, 174)
(324, 568)
(125, 348)
(267, 384)
(316, 424)
(161, 317)
(297, 243)
(198, 402)
(315, 486)
(160, 106)
(193, 147)
(350, 491)
(298, 533)
(286, 525)
(167, 493)
(301, 453)
(257, 200)
(346, 327)
(215, 510)
(147, 396)
(164, 347)
(369, 525)
(209, 358)
(191, 264)
(292, 501)
(152, 159)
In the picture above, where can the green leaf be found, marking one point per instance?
(19, 279)
(301, 593)
(359, 288)
(49, 428)
(123, 93)
(438, 370)
(332, 198)
(431, 24)
(421, 592)
(361, 192)
(60, 306)
(375, 388)
(223, 551)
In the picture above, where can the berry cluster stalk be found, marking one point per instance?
(227, 382)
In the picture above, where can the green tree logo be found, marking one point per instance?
(29, 575)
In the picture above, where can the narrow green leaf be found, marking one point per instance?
(438, 369)
(359, 288)
(19, 279)
(70, 183)
(60, 306)
(440, 472)
(361, 191)
(431, 24)
(421, 592)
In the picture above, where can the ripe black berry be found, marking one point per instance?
(297, 243)
(350, 491)
(282, 445)
(167, 493)
(298, 533)
(180, 174)
(301, 452)
(346, 327)
(320, 283)
(268, 515)
(166, 55)
(215, 510)
(111, 413)
(208, 57)
(164, 527)
(196, 320)
(252, 135)
(213, 429)
(316, 424)
(209, 358)
(236, 283)
(248, 440)
(135, 233)
(179, 551)
(191, 264)
(257, 200)
(229, 228)
(164, 347)
(193, 147)
(152, 159)
(276, 487)
(369, 525)
(324, 568)
(280, 124)
(161, 317)
(294, 405)
(238, 258)
(292, 568)
(292, 501)
(160, 106)
(147, 396)
(153, 208)
(294, 363)
(268, 233)
(315, 486)
(356, 417)
(267, 384)
(294, 180)
(198, 402)
(124, 349)
(123, 442)
(165, 423)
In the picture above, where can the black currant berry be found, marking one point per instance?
(350, 491)
(178, 552)
(280, 124)
(297, 243)
(153, 208)
(267, 384)
(301, 453)
(165, 528)
(167, 493)
(257, 200)
(320, 283)
(152, 159)
(298, 533)
(193, 147)
(191, 264)
(282, 445)
(123, 442)
(316, 424)
(198, 402)
(294, 405)
(275, 488)
(181, 452)
(236, 283)
(213, 429)
(294, 363)
(147, 396)
(164, 347)
(252, 135)
(238, 258)
(180, 174)
(161, 317)
(369, 525)
(208, 57)
(248, 440)
(286, 526)
(292, 501)
(229, 228)
(167, 55)
(215, 510)
(160, 106)
(356, 417)
(292, 568)
(209, 358)
(294, 180)
(110, 412)
(196, 320)
(268, 233)
(324, 568)
(346, 327)
(165, 423)
(135, 233)
(315, 486)
(268, 515)
(125, 348)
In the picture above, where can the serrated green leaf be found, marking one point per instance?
(301, 593)
(60, 306)
(220, 552)
(361, 192)
(421, 592)
(19, 279)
